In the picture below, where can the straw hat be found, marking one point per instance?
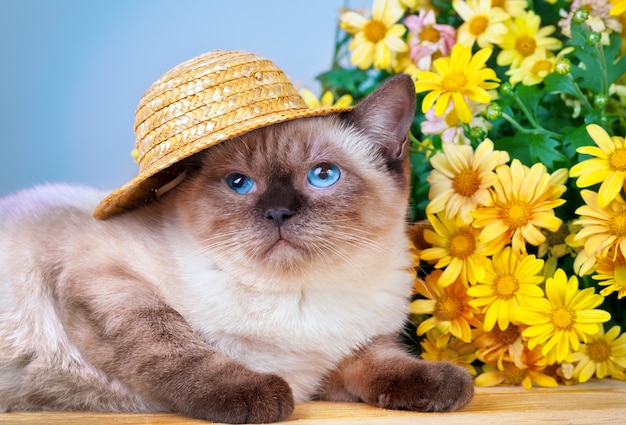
(200, 103)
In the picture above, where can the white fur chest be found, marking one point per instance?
(300, 332)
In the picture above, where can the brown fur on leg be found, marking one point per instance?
(150, 346)
(384, 375)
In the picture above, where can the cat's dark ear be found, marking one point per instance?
(387, 113)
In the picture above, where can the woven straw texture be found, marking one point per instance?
(199, 103)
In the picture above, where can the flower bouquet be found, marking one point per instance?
(518, 172)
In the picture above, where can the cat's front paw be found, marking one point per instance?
(247, 397)
(423, 386)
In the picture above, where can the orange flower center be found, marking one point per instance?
(454, 82)
(375, 31)
(466, 183)
(599, 351)
(507, 336)
(513, 375)
(541, 67)
(517, 213)
(525, 45)
(429, 34)
(448, 308)
(478, 24)
(506, 286)
(617, 224)
(463, 244)
(563, 318)
(497, 3)
(618, 159)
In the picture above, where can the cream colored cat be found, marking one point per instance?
(276, 272)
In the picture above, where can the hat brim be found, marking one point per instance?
(141, 190)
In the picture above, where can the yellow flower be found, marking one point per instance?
(608, 167)
(510, 281)
(524, 38)
(483, 24)
(449, 307)
(404, 65)
(327, 99)
(514, 8)
(424, 4)
(511, 374)
(611, 272)
(498, 345)
(461, 179)
(603, 230)
(438, 347)
(560, 321)
(455, 246)
(619, 7)
(524, 202)
(377, 40)
(456, 77)
(604, 355)
(535, 68)
(412, 4)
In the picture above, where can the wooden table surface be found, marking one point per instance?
(596, 402)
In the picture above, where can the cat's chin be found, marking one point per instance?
(283, 248)
(283, 244)
(284, 253)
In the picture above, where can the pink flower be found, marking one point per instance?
(449, 127)
(428, 38)
(600, 19)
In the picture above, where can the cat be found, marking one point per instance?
(276, 272)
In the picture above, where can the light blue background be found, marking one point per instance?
(72, 72)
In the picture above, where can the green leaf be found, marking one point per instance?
(517, 146)
(579, 35)
(530, 96)
(555, 83)
(575, 139)
(589, 75)
(544, 149)
(346, 79)
(615, 68)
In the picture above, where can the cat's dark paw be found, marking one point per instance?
(248, 397)
(423, 386)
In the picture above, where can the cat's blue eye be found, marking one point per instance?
(240, 183)
(323, 175)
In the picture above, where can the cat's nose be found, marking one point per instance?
(278, 215)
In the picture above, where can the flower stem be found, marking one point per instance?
(580, 94)
(602, 60)
(416, 146)
(537, 129)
